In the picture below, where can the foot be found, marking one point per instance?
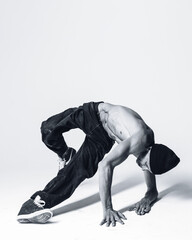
(33, 211)
(66, 158)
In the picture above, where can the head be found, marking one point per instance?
(158, 159)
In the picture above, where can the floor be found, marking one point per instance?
(78, 218)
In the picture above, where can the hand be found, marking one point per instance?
(142, 207)
(111, 217)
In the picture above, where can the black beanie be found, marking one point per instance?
(162, 159)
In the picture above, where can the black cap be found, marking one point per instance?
(162, 159)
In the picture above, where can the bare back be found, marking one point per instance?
(120, 122)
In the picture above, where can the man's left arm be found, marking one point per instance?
(144, 205)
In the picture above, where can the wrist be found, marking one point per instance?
(151, 195)
(106, 208)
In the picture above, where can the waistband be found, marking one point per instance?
(96, 106)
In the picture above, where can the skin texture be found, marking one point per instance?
(133, 136)
(144, 205)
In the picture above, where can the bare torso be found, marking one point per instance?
(120, 122)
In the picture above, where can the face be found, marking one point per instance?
(143, 160)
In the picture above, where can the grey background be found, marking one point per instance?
(59, 54)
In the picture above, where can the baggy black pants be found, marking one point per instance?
(84, 163)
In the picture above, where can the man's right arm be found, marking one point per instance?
(134, 144)
(106, 168)
(110, 216)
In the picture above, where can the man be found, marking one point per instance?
(104, 124)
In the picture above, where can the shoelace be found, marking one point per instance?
(39, 202)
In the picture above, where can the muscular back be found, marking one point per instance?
(121, 122)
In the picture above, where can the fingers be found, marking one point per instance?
(119, 220)
(132, 207)
(103, 222)
(142, 207)
(108, 220)
(112, 217)
(148, 208)
(122, 215)
(113, 223)
(118, 216)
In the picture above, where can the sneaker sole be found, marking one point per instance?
(41, 216)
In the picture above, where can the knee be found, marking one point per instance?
(45, 131)
(43, 127)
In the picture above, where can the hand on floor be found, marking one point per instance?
(111, 217)
(142, 207)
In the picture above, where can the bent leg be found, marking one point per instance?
(54, 139)
(83, 165)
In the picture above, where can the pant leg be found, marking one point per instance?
(84, 163)
(54, 139)
(53, 128)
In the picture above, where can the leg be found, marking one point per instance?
(83, 165)
(54, 139)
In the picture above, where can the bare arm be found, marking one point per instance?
(151, 194)
(106, 167)
(144, 205)
(150, 181)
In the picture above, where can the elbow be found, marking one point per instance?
(104, 166)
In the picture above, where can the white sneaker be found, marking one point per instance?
(33, 211)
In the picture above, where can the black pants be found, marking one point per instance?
(84, 163)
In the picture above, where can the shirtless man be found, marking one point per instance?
(104, 124)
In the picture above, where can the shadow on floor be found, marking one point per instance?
(179, 190)
(128, 183)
